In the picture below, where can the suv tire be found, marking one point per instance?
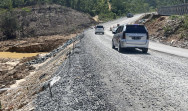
(145, 50)
(119, 48)
(113, 46)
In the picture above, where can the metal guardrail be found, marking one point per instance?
(174, 10)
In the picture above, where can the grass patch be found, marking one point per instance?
(185, 20)
(180, 30)
(184, 35)
(175, 17)
(167, 29)
(26, 9)
(2, 11)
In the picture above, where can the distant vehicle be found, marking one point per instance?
(131, 36)
(129, 15)
(99, 29)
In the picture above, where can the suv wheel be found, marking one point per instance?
(119, 48)
(113, 46)
(145, 50)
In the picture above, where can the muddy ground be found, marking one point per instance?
(27, 80)
(12, 69)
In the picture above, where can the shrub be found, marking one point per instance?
(175, 17)
(167, 29)
(185, 25)
(107, 16)
(9, 25)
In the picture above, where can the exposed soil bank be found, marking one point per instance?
(168, 30)
(12, 65)
(34, 44)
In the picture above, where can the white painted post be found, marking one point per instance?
(54, 80)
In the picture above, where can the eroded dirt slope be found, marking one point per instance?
(168, 30)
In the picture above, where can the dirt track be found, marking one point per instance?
(100, 78)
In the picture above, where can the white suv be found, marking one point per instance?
(99, 29)
(131, 36)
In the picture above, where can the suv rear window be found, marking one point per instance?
(99, 26)
(135, 29)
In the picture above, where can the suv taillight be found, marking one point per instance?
(124, 35)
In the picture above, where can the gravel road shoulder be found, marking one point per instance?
(80, 86)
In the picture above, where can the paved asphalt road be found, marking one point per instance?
(99, 78)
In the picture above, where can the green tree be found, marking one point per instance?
(7, 4)
(9, 25)
(97, 7)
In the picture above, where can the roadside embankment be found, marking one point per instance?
(169, 30)
(20, 95)
(35, 52)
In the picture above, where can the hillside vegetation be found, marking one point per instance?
(42, 21)
(97, 7)
(17, 24)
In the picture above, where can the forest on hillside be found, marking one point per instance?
(103, 8)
